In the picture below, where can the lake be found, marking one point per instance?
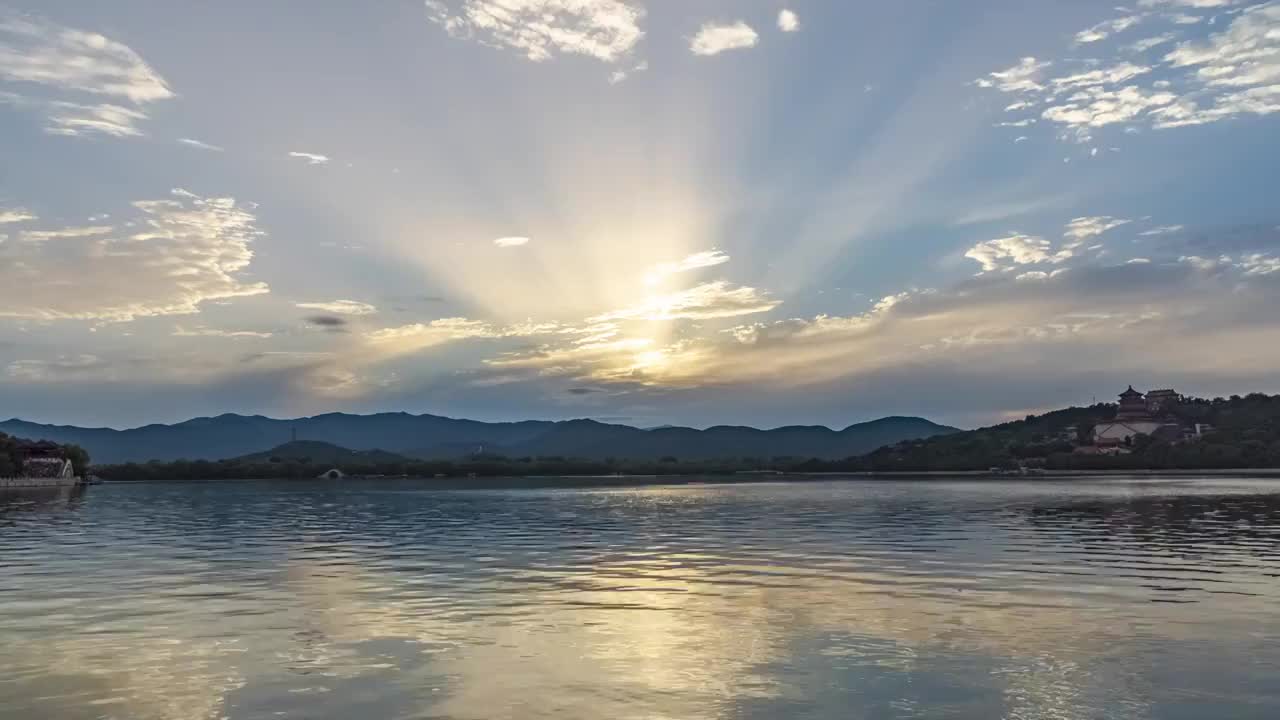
(1098, 598)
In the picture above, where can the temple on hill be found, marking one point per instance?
(1139, 415)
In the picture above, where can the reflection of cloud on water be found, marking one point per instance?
(123, 672)
(1027, 632)
(629, 607)
(610, 642)
(569, 647)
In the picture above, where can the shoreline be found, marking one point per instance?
(741, 478)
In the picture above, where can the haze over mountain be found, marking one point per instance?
(431, 436)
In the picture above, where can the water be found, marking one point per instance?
(950, 599)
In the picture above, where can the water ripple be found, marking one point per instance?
(1091, 599)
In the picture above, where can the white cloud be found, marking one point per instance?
(705, 302)
(1083, 228)
(200, 145)
(1162, 230)
(1007, 253)
(1103, 30)
(512, 241)
(419, 336)
(1108, 76)
(1203, 263)
(1146, 44)
(64, 367)
(177, 254)
(696, 261)
(1096, 107)
(607, 30)
(1259, 264)
(15, 215)
(1199, 4)
(1091, 317)
(340, 307)
(715, 38)
(311, 158)
(181, 331)
(1023, 77)
(1229, 74)
(788, 21)
(42, 53)
(74, 120)
(51, 67)
(64, 233)
(1020, 249)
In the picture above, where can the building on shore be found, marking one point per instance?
(41, 465)
(1138, 415)
(44, 459)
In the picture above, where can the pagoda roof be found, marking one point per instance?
(1130, 393)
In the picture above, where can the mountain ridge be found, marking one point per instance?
(428, 436)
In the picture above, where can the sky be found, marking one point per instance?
(752, 212)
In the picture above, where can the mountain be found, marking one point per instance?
(321, 453)
(431, 436)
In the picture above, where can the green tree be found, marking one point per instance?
(79, 458)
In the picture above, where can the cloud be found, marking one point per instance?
(418, 336)
(696, 261)
(1154, 316)
(311, 158)
(43, 53)
(1020, 249)
(1024, 77)
(64, 233)
(788, 21)
(1007, 253)
(1237, 71)
(179, 253)
(705, 302)
(1199, 4)
(329, 323)
(15, 215)
(607, 30)
(200, 145)
(715, 38)
(1223, 76)
(1259, 264)
(181, 331)
(62, 368)
(1083, 228)
(74, 120)
(510, 242)
(1146, 44)
(1103, 30)
(1162, 230)
(341, 307)
(51, 68)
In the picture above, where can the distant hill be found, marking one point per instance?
(432, 437)
(1245, 434)
(322, 453)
